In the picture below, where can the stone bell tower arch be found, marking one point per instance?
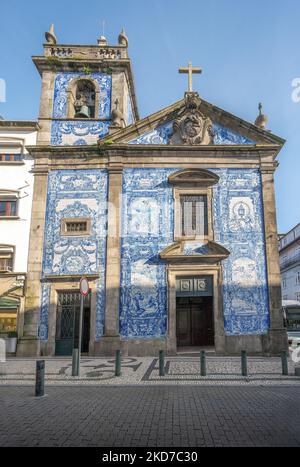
(108, 67)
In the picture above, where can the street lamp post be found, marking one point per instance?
(84, 291)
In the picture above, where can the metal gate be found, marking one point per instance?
(67, 322)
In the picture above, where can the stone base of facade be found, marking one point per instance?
(47, 349)
(275, 342)
(29, 347)
(271, 344)
(107, 347)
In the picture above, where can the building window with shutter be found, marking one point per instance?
(6, 258)
(11, 158)
(193, 215)
(8, 207)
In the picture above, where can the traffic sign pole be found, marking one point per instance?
(84, 291)
(80, 334)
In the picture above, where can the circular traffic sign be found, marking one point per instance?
(84, 286)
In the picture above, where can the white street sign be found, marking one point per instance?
(84, 286)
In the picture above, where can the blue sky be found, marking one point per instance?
(249, 52)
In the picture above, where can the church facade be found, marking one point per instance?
(171, 218)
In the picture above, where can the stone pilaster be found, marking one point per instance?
(29, 344)
(46, 108)
(111, 339)
(277, 337)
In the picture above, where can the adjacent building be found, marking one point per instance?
(171, 217)
(16, 188)
(289, 254)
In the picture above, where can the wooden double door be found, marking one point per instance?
(194, 318)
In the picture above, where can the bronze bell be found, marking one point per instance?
(83, 112)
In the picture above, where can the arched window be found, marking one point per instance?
(83, 99)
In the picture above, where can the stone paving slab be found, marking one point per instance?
(144, 371)
(151, 416)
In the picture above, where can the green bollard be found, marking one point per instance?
(244, 363)
(75, 362)
(118, 363)
(161, 363)
(40, 378)
(202, 363)
(284, 363)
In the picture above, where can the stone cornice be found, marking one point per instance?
(135, 149)
(64, 278)
(24, 125)
(262, 156)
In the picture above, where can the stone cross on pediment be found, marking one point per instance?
(190, 70)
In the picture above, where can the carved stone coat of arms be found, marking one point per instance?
(191, 127)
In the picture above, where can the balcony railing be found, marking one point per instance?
(289, 261)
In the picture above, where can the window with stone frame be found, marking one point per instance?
(193, 209)
(193, 191)
(75, 226)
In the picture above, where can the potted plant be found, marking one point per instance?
(11, 342)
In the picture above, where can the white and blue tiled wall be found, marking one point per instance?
(147, 228)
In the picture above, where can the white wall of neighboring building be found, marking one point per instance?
(17, 177)
(289, 254)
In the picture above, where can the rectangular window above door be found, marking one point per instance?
(75, 226)
(193, 215)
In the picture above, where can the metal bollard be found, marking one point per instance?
(161, 363)
(202, 363)
(244, 363)
(118, 363)
(40, 378)
(75, 362)
(284, 363)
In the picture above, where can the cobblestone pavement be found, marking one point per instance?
(179, 370)
(151, 416)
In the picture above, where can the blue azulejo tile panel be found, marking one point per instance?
(79, 132)
(160, 135)
(62, 84)
(71, 194)
(239, 226)
(45, 302)
(163, 133)
(147, 228)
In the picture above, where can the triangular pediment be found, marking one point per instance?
(193, 251)
(217, 126)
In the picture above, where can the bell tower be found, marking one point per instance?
(87, 91)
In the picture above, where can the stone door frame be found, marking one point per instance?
(70, 286)
(177, 270)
